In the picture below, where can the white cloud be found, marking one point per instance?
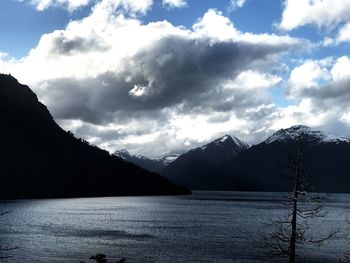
(344, 33)
(253, 80)
(174, 3)
(342, 36)
(328, 41)
(320, 13)
(321, 90)
(310, 75)
(213, 24)
(71, 5)
(132, 5)
(216, 26)
(305, 112)
(234, 4)
(109, 78)
(3, 55)
(341, 69)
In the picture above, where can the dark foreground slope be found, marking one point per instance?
(39, 159)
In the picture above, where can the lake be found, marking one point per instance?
(203, 227)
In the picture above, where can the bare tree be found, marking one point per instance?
(286, 233)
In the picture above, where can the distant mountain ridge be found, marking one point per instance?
(294, 132)
(206, 167)
(38, 159)
(262, 167)
(153, 165)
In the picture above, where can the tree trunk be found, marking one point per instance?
(293, 238)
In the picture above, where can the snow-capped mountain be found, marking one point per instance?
(233, 143)
(124, 154)
(302, 131)
(153, 165)
(326, 158)
(206, 166)
(228, 164)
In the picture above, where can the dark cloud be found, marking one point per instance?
(172, 71)
(63, 45)
(337, 90)
(332, 96)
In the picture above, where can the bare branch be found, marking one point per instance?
(301, 207)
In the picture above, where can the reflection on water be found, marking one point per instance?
(204, 227)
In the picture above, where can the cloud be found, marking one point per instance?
(344, 34)
(71, 5)
(319, 13)
(235, 4)
(308, 76)
(321, 79)
(174, 3)
(154, 87)
(321, 88)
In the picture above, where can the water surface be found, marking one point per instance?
(204, 227)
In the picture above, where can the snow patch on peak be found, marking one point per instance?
(166, 159)
(240, 143)
(221, 140)
(123, 153)
(225, 138)
(294, 132)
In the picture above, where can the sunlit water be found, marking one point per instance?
(204, 227)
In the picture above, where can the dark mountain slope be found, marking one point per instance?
(207, 167)
(231, 165)
(38, 159)
(326, 160)
(153, 165)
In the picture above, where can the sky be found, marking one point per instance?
(164, 76)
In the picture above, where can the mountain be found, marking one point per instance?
(168, 158)
(207, 167)
(294, 132)
(39, 159)
(228, 164)
(264, 166)
(153, 165)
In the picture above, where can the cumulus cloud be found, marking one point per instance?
(154, 87)
(174, 3)
(322, 90)
(342, 36)
(344, 33)
(323, 79)
(320, 13)
(308, 76)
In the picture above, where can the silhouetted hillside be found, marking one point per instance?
(39, 159)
